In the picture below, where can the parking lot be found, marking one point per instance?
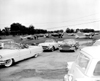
(49, 66)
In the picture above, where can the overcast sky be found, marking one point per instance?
(51, 14)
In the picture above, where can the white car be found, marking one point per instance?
(80, 36)
(49, 44)
(13, 52)
(27, 37)
(97, 42)
(86, 67)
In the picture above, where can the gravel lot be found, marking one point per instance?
(49, 66)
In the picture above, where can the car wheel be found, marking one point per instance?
(60, 50)
(9, 62)
(75, 50)
(76, 47)
(53, 48)
(36, 55)
(90, 36)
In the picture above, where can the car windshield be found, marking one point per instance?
(97, 69)
(82, 61)
(50, 40)
(97, 43)
(10, 46)
(69, 41)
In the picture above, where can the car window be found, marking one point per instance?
(69, 41)
(82, 61)
(97, 69)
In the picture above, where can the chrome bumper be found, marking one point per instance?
(2, 62)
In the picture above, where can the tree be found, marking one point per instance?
(17, 29)
(31, 29)
(6, 31)
(68, 30)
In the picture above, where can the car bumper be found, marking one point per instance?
(2, 62)
(46, 48)
(61, 49)
(68, 77)
(65, 78)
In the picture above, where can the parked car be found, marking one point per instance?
(66, 47)
(59, 35)
(88, 35)
(13, 52)
(69, 45)
(79, 35)
(30, 37)
(71, 34)
(49, 44)
(96, 43)
(86, 67)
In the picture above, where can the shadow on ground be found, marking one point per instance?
(45, 74)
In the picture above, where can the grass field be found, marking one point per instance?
(42, 39)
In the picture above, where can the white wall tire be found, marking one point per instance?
(36, 55)
(53, 48)
(9, 62)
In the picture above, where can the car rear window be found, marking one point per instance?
(97, 69)
(82, 61)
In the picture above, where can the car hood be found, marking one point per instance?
(64, 45)
(45, 44)
(4, 52)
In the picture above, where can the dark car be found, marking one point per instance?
(59, 35)
(69, 45)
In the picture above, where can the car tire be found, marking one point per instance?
(9, 62)
(53, 48)
(36, 55)
(75, 50)
(60, 50)
(90, 37)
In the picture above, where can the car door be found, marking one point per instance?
(56, 44)
(13, 51)
(33, 50)
(24, 53)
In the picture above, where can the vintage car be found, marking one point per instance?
(49, 44)
(68, 45)
(96, 42)
(13, 52)
(59, 35)
(30, 37)
(80, 35)
(71, 34)
(86, 67)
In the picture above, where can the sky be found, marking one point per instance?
(51, 14)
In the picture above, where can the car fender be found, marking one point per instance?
(11, 55)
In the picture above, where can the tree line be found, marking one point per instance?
(86, 30)
(19, 29)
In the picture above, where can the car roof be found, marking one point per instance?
(93, 51)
